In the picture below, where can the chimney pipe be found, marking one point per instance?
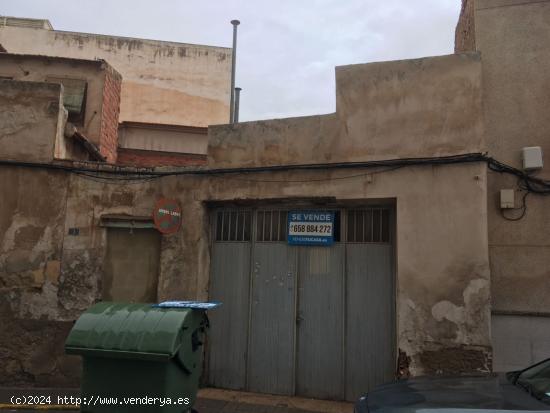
(237, 101)
(235, 23)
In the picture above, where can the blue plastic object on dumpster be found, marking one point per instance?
(197, 305)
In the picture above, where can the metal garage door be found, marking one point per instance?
(310, 321)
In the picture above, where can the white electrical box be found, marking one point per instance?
(507, 199)
(532, 158)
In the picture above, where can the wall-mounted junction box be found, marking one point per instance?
(507, 199)
(532, 158)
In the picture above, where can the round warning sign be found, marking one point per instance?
(167, 215)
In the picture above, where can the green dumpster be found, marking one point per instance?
(138, 358)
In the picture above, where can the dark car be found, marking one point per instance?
(520, 391)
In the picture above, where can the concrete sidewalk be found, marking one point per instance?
(209, 401)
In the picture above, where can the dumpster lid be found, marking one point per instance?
(130, 330)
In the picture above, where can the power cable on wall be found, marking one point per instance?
(125, 175)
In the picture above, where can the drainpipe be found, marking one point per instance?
(235, 23)
(237, 100)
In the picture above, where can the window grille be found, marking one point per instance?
(271, 226)
(368, 225)
(233, 225)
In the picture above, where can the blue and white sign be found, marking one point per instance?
(310, 227)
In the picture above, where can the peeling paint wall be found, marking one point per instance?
(31, 120)
(31, 282)
(163, 82)
(443, 283)
(42, 68)
(433, 250)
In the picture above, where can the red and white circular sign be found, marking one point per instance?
(167, 215)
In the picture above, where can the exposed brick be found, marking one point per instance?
(108, 140)
(457, 360)
(465, 40)
(144, 158)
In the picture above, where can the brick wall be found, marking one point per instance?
(137, 157)
(465, 39)
(110, 110)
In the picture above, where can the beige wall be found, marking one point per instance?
(512, 36)
(403, 109)
(442, 266)
(32, 216)
(391, 110)
(32, 120)
(163, 82)
(40, 68)
(163, 138)
(443, 283)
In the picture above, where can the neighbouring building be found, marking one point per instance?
(516, 95)
(169, 92)
(163, 82)
(424, 275)
(91, 99)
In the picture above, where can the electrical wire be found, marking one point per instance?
(336, 178)
(135, 173)
(130, 175)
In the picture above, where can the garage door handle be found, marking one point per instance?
(299, 319)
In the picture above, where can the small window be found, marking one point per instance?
(74, 97)
(233, 225)
(271, 226)
(368, 225)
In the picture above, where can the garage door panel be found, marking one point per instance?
(320, 327)
(370, 318)
(315, 321)
(271, 355)
(230, 269)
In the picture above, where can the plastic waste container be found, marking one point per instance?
(138, 357)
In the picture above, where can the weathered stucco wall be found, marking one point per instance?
(442, 296)
(410, 108)
(32, 216)
(516, 79)
(442, 261)
(31, 120)
(42, 68)
(164, 82)
(403, 109)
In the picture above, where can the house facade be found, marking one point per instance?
(422, 271)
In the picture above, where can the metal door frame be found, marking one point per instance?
(343, 207)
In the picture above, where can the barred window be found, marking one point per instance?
(233, 225)
(271, 226)
(368, 225)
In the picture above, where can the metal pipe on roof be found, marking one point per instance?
(237, 102)
(235, 23)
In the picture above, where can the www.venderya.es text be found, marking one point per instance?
(97, 401)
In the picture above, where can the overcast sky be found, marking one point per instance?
(287, 49)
